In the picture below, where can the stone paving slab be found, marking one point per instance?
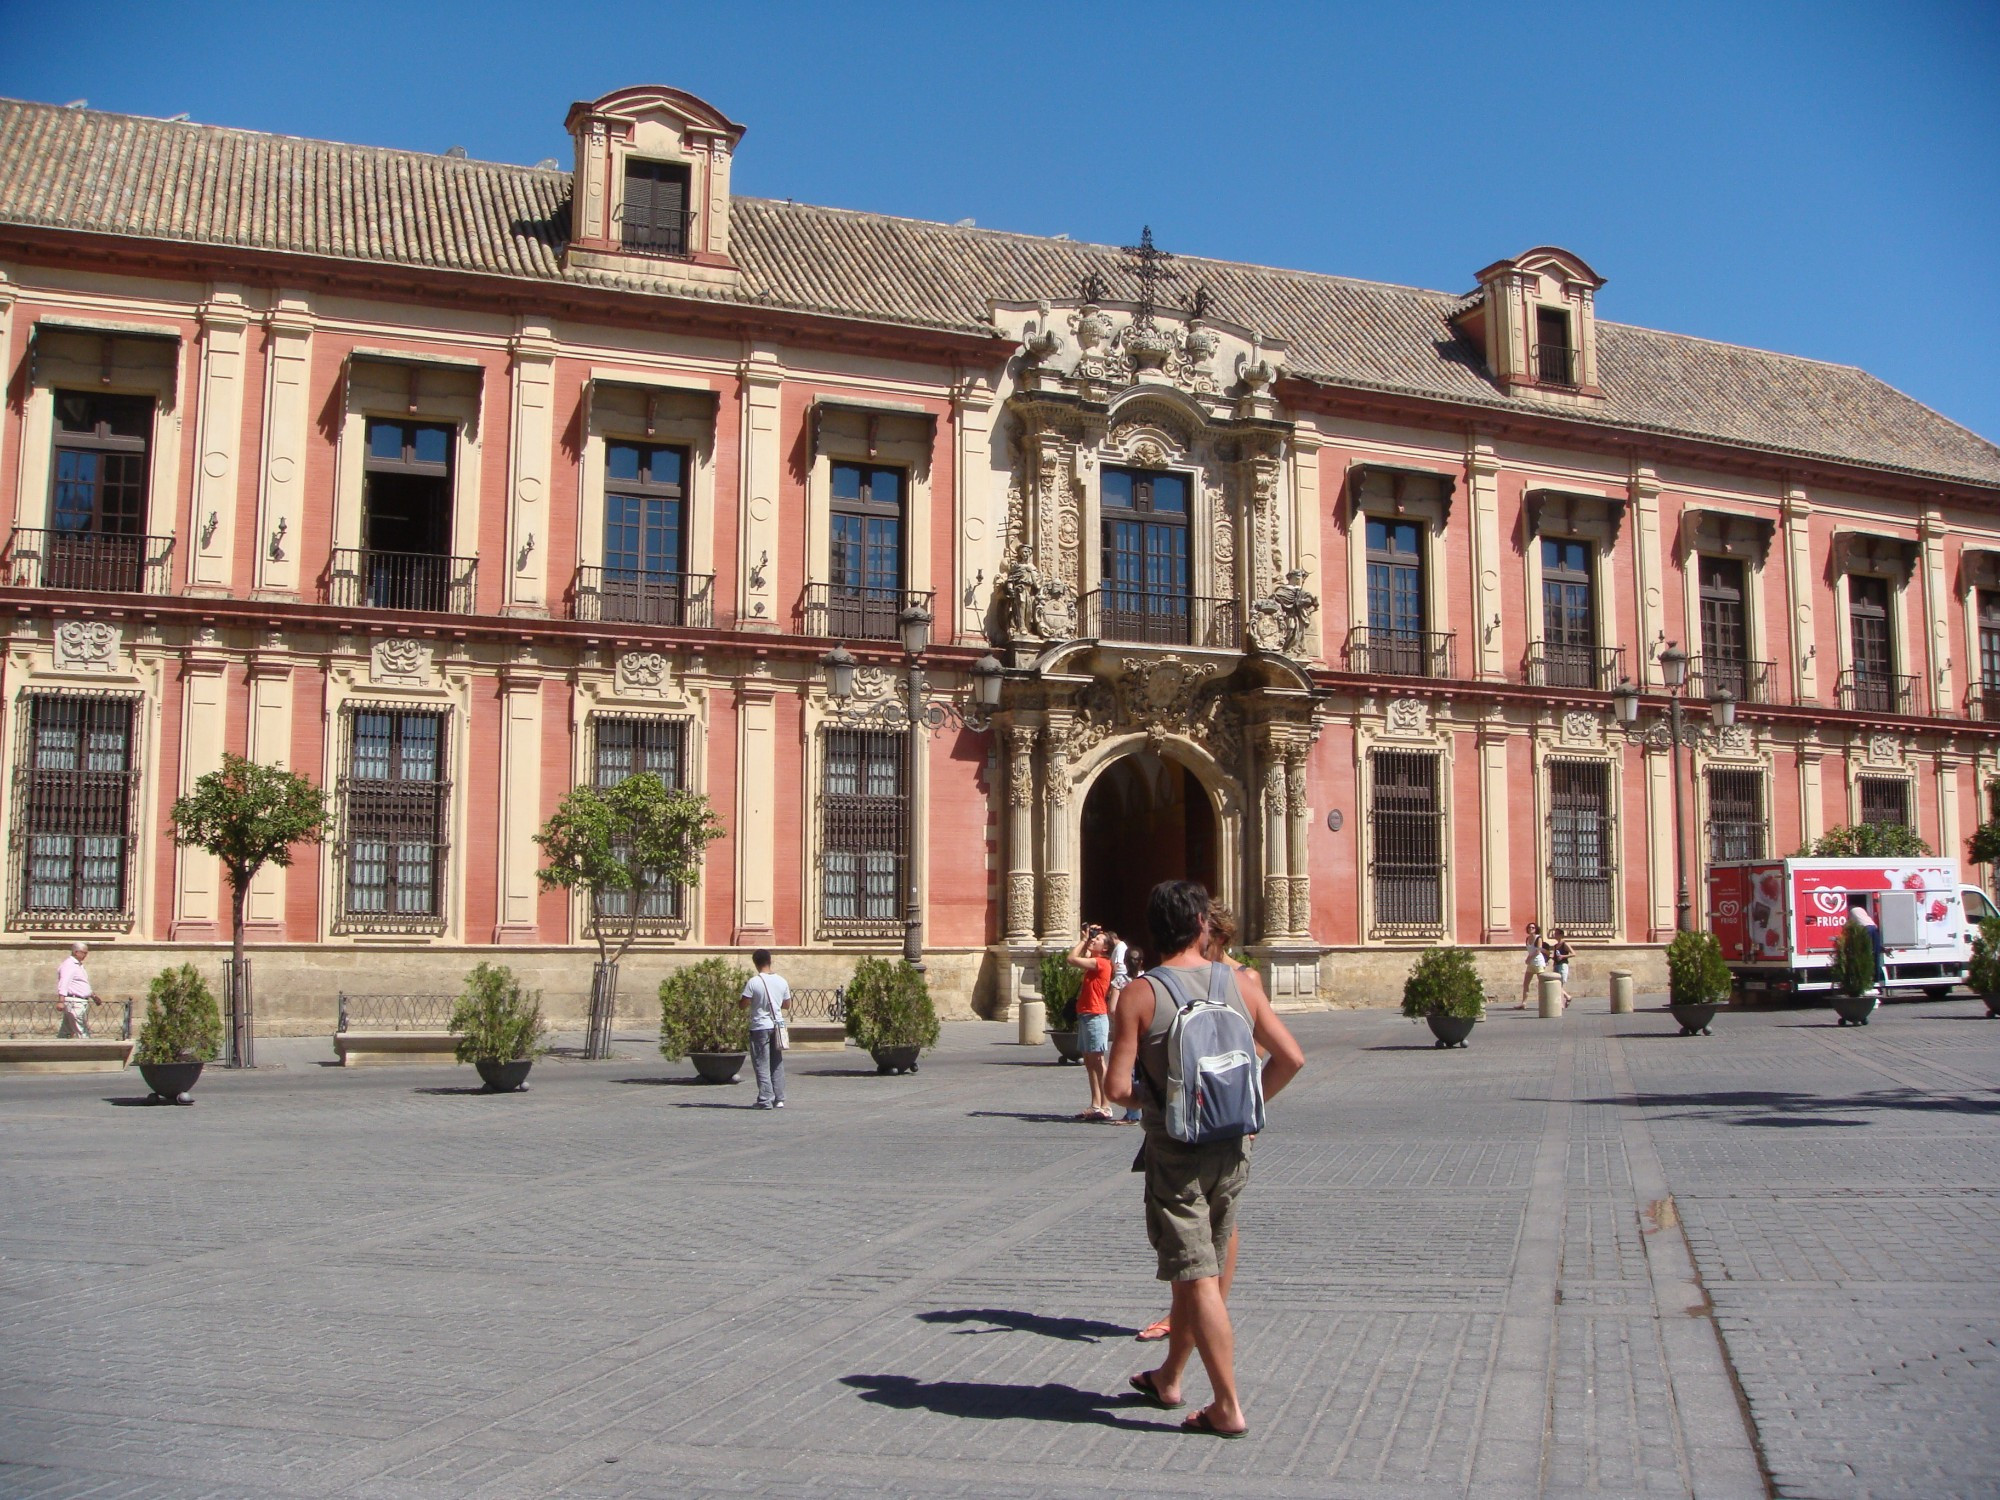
(1581, 1257)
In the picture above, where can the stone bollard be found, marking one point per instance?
(1032, 1012)
(1621, 992)
(1551, 996)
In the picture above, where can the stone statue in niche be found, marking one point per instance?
(1280, 622)
(1033, 606)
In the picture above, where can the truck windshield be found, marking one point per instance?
(1978, 906)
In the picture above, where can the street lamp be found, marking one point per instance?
(918, 715)
(1722, 713)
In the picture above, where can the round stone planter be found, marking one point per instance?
(895, 1059)
(717, 1067)
(1694, 1019)
(1854, 1009)
(1065, 1044)
(1451, 1031)
(504, 1077)
(1992, 1006)
(170, 1082)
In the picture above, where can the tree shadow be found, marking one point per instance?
(839, 1072)
(1006, 1320)
(994, 1402)
(1031, 1116)
(1782, 1109)
(671, 1081)
(458, 1089)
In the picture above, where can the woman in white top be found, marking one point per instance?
(1538, 961)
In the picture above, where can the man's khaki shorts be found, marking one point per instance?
(1191, 1194)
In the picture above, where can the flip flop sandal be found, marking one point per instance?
(1143, 1384)
(1201, 1423)
(1153, 1332)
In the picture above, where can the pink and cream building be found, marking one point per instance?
(456, 484)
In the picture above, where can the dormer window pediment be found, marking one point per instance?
(651, 191)
(1534, 319)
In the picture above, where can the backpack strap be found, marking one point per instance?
(1221, 983)
(1174, 985)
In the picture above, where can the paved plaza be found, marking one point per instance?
(1580, 1257)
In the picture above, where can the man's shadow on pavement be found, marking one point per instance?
(993, 1402)
(1006, 1320)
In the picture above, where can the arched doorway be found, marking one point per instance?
(1146, 819)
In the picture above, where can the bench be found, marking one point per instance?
(395, 1029)
(819, 1020)
(36, 1036)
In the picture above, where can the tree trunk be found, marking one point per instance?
(242, 1045)
(603, 1008)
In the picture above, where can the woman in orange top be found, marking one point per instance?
(1093, 1014)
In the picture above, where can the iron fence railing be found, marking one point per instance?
(859, 614)
(1402, 653)
(396, 1012)
(1160, 617)
(91, 561)
(658, 231)
(636, 596)
(433, 582)
(819, 1005)
(49, 1018)
(1744, 680)
(1594, 668)
(1866, 691)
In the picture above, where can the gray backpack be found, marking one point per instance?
(1215, 1085)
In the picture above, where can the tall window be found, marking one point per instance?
(406, 516)
(97, 492)
(622, 747)
(395, 800)
(1145, 565)
(1868, 631)
(1885, 799)
(1580, 830)
(1396, 642)
(655, 215)
(1555, 358)
(864, 823)
(1989, 652)
(1724, 636)
(865, 573)
(1735, 814)
(73, 819)
(1569, 615)
(1406, 842)
(645, 534)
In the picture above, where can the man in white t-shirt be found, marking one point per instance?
(767, 997)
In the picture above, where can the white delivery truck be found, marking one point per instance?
(1777, 921)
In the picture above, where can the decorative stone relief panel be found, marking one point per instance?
(1408, 718)
(644, 672)
(1884, 750)
(401, 662)
(87, 646)
(1581, 727)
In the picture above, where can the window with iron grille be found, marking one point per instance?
(622, 747)
(76, 794)
(1405, 843)
(1885, 799)
(395, 801)
(1555, 358)
(1735, 814)
(864, 831)
(1580, 847)
(655, 214)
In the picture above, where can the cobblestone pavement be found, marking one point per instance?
(1580, 1257)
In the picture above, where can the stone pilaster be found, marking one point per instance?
(7, 295)
(532, 439)
(1274, 918)
(756, 806)
(1951, 840)
(1943, 673)
(1059, 875)
(218, 444)
(1660, 885)
(972, 411)
(1644, 490)
(1812, 792)
(1495, 797)
(269, 743)
(199, 899)
(1298, 848)
(1482, 485)
(1799, 583)
(763, 468)
(520, 800)
(1020, 754)
(280, 538)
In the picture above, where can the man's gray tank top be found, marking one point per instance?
(1194, 982)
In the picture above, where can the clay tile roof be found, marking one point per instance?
(118, 174)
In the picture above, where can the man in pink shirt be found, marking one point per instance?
(73, 991)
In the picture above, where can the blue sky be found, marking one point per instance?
(1822, 179)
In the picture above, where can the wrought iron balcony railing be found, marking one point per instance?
(1160, 617)
(660, 231)
(859, 614)
(1745, 681)
(1866, 691)
(1982, 701)
(92, 561)
(637, 596)
(1597, 669)
(428, 581)
(1402, 653)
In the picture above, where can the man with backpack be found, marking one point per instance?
(1193, 1029)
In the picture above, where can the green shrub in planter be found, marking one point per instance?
(1061, 981)
(1444, 982)
(1697, 974)
(700, 1009)
(1982, 975)
(182, 1022)
(496, 1020)
(1854, 960)
(889, 1005)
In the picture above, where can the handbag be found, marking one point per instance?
(780, 1038)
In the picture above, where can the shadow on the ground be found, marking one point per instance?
(995, 1402)
(714, 1104)
(672, 1081)
(1031, 1116)
(457, 1089)
(1007, 1320)
(1780, 1109)
(839, 1072)
(138, 1101)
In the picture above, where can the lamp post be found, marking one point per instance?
(918, 715)
(1722, 711)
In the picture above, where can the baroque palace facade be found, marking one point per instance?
(457, 484)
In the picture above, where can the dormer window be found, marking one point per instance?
(654, 217)
(1555, 352)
